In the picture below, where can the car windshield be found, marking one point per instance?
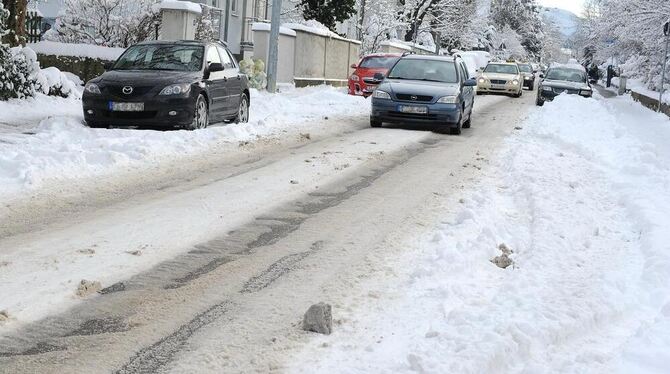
(501, 69)
(378, 62)
(426, 70)
(161, 57)
(563, 74)
(525, 68)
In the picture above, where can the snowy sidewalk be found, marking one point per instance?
(580, 195)
(44, 139)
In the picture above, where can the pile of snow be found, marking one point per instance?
(264, 26)
(77, 50)
(580, 196)
(62, 147)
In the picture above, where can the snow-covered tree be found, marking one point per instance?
(205, 29)
(16, 22)
(328, 13)
(523, 17)
(113, 23)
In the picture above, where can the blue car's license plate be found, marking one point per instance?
(413, 109)
(126, 107)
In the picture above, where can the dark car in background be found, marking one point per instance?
(433, 90)
(185, 84)
(528, 76)
(569, 79)
(367, 68)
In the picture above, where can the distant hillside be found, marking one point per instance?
(565, 20)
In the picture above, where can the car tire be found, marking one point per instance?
(375, 123)
(243, 110)
(539, 102)
(200, 114)
(456, 130)
(94, 125)
(466, 124)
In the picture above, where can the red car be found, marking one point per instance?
(367, 68)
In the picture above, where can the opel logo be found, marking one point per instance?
(413, 98)
(127, 90)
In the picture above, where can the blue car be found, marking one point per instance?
(434, 90)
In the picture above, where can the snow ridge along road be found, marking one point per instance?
(248, 245)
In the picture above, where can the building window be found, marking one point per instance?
(233, 7)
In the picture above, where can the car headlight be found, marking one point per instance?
(448, 99)
(585, 92)
(526, 78)
(92, 88)
(482, 80)
(545, 88)
(354, 77)
(515, 82)
(378, 94)
(176, 89)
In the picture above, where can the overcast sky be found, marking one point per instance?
(575, 6)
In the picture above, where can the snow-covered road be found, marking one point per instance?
(222, 239)
(209, 267)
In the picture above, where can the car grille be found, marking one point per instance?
(419, 98)
(130, 115)
(498, 81)
(118, 91)
(561, 90)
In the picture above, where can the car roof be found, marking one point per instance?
(383, 55)
(428, 57)
(175, 42)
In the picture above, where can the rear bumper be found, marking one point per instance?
(157, 112)
(385, 110)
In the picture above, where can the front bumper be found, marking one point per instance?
(546, 95)
(156, 111)
(509, 88)
(386, 110)
(357, 88)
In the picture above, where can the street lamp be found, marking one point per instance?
(666, 32)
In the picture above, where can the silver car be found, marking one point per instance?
(563, 79)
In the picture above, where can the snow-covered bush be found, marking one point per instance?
(205, 28)
(255, 71)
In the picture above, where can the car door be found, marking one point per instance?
(467, 91)
(216, 83)
(233, 81)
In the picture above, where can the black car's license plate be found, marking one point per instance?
(126, 107)
(413, 109)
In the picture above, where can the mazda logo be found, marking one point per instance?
(413, 98)
(127, 90)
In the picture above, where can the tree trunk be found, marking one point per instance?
(16, 24)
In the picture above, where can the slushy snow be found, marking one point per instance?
(580, 195)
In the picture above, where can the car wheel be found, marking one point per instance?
(539, 102)
(456, 130)
(201, 116)
(375, 123)
(243, 110)
(466, 124)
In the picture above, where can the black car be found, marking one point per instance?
(528, 76)
(186, 84)
(570, 79)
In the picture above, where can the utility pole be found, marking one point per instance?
(666, 32)
(273, 53)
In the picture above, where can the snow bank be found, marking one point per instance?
(62, 147)
(76, 50)
(263, 26)
(580, 195)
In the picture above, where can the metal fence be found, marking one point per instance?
(33, 27)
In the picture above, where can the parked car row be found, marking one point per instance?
(185, 84)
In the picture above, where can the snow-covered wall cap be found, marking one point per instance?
(318, 31)
(76, 50)
(178, 5)
(263, 26)
(407, 46)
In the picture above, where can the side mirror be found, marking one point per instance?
(215, 66)
(107, 65)
(379, 76)
(470, 82)
(354, 66)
